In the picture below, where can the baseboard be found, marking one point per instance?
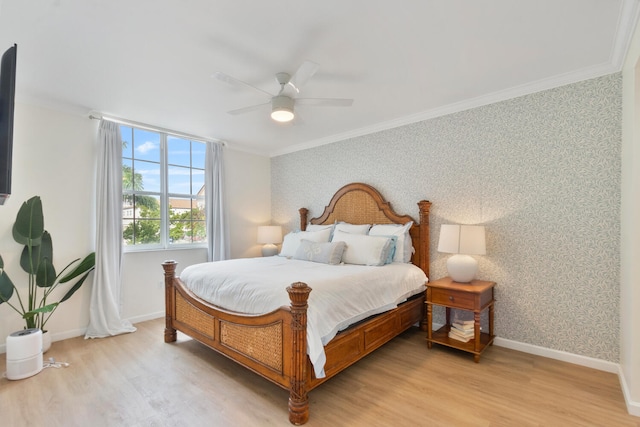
(633, 407)
(590, 362)
(145, 317)
(80, 332)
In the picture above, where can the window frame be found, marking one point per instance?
(163, 195)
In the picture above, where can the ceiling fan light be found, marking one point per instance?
(282, 108)
(282, 115)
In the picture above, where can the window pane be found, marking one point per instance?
(146, 176)
(187, 221)
(199, 232)
(179, 206)
(179, 232)
(127, 209)
(127, 174)
(147, 207)
(199, 216)
(198, 150)
(179, 180)
(146, 145)
(179, 220)
(146, 232)
(178, 151)
(200, 205)
(197, 179)
(126, 133)
(140, 219)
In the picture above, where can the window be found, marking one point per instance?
(163, 203)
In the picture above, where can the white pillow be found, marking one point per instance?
(291, 241)
(326, 253)
(364, 250)
(352, 228)
(404, 247)
(319, 227)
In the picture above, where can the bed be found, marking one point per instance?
(274, 345)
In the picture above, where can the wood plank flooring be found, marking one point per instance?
(137, 380)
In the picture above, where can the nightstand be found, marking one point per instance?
(475, 296)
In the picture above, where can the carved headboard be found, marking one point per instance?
(359, 203)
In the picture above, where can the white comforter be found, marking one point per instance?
(341, 294)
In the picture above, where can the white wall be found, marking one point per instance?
(54, 157)
(630, 230)
(248, 187)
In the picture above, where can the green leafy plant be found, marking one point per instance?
(37, 260)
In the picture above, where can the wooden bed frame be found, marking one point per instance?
(274, 345)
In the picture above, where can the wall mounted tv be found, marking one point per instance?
(7, 100)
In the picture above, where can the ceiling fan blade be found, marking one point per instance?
(304, 73)
(231, 81)
(328, 102)
(248, 109)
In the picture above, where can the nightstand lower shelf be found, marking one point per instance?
(441, 336)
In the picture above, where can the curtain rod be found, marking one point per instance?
(98, 116)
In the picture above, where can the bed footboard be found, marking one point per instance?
(273, 345)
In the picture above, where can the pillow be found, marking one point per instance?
(319, 227)
(326, 253)
(291, 241)
(364, 250)
(352, 228)
(404, 247)
(392, 250)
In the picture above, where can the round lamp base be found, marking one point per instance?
(462, 268)
(269, 250)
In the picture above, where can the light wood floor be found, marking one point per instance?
(138, 380)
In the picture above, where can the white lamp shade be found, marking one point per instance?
(270, 234)
(462, 239)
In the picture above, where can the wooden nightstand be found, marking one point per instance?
(475, 296)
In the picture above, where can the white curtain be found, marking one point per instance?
(217, 228)
(104, 311)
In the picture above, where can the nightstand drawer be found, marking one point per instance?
(452, 298)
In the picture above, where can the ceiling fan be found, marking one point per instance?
(282, 104)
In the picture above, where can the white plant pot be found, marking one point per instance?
(46, 341)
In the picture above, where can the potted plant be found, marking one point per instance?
(37, 261)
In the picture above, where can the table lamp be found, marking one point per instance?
(463, 241)
(269, 235)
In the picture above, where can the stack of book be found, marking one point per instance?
(462, 330)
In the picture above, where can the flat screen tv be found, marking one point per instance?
(7, 100)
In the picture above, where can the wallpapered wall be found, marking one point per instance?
(541, 171)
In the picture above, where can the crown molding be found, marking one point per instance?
(503, 95)
(627, 20)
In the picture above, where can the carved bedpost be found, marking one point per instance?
(169, 273)
(298, 400)
(424, 261)
(304, 212)
(424, 206)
